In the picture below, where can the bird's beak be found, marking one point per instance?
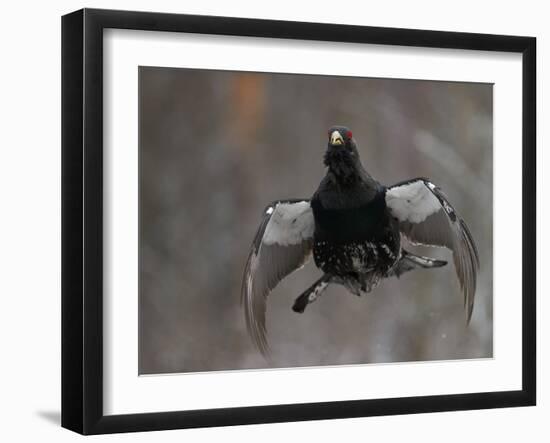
(336, 139)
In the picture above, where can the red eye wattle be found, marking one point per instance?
(350, 135)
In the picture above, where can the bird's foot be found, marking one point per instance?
(310, 295)
(300, 304)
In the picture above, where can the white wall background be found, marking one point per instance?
(30, 222)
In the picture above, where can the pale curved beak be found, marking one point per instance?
(336, 139)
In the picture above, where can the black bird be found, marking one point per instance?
(354, 228)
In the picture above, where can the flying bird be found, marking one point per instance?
(356, 229)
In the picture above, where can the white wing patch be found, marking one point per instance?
(413, 201)
(290, 224)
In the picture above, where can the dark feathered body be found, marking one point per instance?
(355, 238)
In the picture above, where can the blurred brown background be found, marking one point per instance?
(217, 146)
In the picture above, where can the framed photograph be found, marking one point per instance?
(269, 221)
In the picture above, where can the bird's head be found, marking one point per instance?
(342, 157)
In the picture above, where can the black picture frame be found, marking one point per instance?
(82, 220)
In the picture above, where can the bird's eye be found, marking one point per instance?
(350, 135)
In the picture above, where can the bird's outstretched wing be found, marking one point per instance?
(426, 217)
(282, 244)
